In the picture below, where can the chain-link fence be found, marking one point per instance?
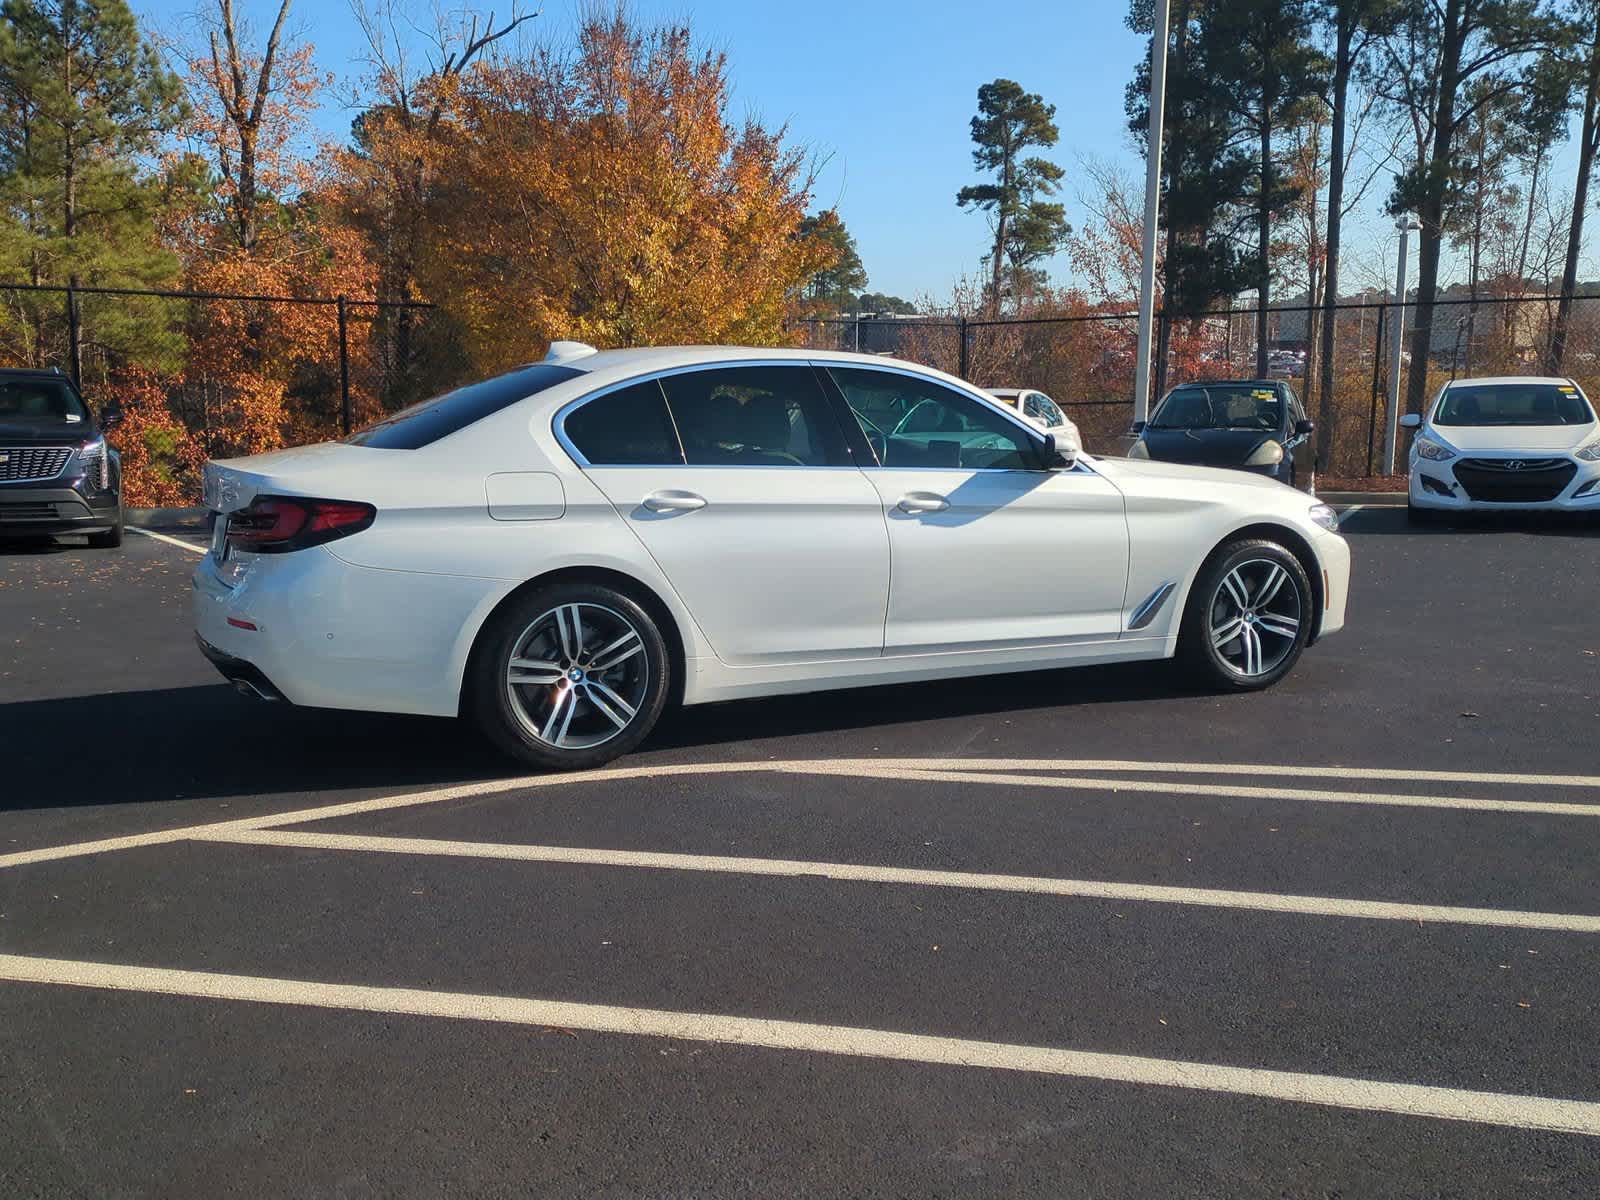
(1086, 362)
(209, 375)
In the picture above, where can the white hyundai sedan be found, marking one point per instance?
(1517, 443)
(561, 551)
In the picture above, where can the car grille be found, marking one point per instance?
(21, 463)
(21, 514)
(1532, 481)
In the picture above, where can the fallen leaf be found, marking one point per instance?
(1470, 714)
(1523, 1004)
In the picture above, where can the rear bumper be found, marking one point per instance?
(246, 677)
(52, 510)
(317, 631)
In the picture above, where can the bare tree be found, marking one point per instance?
(243, 88)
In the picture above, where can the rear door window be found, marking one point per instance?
(425, 423)
(756, 416)
(627, 427)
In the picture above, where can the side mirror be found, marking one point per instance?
(1411, 421)
(1303, 428)
(111, 417)
(1136, 428)
(1061, 451)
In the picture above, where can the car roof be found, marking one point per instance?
(650, 358)
(32, 373)
(1511, 381)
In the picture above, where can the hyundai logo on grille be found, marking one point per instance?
(1514, 465)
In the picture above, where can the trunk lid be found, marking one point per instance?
(325, 470)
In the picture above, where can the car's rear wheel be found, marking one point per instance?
(1249, 616)
(569, 676)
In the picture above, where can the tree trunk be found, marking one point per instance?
(1327, 411)
(1580, 201)
(1432, 210)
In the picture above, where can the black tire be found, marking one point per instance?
(515, 717)
(109, 539)
(1227, 666)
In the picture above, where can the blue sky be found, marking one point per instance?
(882, 92)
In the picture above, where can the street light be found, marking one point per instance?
(1152, 210)
(1391, 426)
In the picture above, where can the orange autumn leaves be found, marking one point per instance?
(605, 196)
(598, 192)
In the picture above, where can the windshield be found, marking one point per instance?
(44, 401)
(1513, 404)
(1224, 406)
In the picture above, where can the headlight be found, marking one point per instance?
(1591, 452)
(1138, 450)
(94, 457)
(1433, 451)
(1322, 515)
(1268, 454)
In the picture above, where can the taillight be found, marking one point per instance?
(278, 524)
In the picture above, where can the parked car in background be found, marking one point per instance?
(1523, 442)
(559, 552)
(1038, 408)
(1254, 425)
(57, 474)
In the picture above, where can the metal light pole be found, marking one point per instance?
(1152, 211)
(1391, 425)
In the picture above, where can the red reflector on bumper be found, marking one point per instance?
(239, 623)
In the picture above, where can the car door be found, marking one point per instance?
(987, 549)
(1300, 446)
(738, 481)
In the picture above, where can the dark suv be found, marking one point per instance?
(57, 474)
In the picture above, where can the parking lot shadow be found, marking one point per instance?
(198, 742)
(203, 742)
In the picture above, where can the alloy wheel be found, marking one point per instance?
(577, 676)
(1254, 617)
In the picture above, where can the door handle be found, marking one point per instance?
(922, 502)
(673, 501)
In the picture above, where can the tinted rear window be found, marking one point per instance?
(425, 423)
(629, 426)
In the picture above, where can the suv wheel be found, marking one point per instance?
(1249, 617)
(111, 538)
(569, 676)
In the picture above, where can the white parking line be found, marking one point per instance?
(162, 537)
(861, 767)
(1210, 790)
(1414, 1100)
(1259, 770)
(1093, 889)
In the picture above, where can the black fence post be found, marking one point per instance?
(1372, 413)
(344, 368)
(74, 337)
(961, 356)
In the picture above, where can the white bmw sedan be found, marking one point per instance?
(559, 552)
(1525, 443)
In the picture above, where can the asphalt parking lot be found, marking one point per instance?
(1077, 933)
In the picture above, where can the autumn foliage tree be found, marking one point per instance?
(605, 195)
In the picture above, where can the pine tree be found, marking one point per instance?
(84, 100)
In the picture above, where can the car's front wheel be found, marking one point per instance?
(109, 539)
(1249, 616)
(569, 676)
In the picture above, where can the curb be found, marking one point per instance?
(160, 518)
(1365, 499)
